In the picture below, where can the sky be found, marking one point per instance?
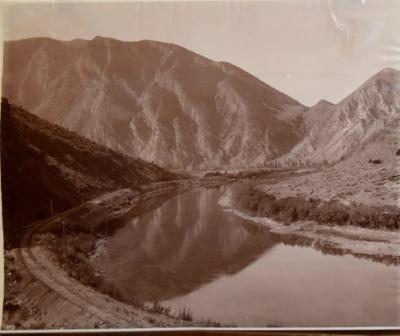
(308, 49)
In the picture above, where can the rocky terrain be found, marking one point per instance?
(333, 132)
(153, 100)
(369, 176)
(47, 169)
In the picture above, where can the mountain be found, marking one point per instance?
(44, 166)
(368, 177)
(153, 100)
(335, 131)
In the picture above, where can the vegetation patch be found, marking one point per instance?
(17, 312)
(74, 252)
(291, 209)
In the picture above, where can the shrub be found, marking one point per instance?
(376, 161)
(185, 314)
(292, 209)
(158, 308)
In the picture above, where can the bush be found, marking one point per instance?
(376, 161)
(292, 209)
(185, 314)
(158, 308)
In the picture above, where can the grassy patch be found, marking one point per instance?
(292, 209)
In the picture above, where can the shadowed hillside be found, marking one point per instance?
(47, 169)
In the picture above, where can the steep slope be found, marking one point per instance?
(335, 131)
(46, 168)
(369, 176)
(154, 100)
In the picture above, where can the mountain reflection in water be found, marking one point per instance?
(189, 253)
(183, 244)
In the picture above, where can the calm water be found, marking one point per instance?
(189, 253)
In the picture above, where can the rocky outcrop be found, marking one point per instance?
(336, 131)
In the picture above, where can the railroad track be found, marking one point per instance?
(108, 311)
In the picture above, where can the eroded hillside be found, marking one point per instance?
(158, 101)
(333, 132)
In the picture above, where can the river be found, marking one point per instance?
(189, 253)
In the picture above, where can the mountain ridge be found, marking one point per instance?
(154, 100)
(171, 106)
(336, 131)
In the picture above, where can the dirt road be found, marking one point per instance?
(108, 311)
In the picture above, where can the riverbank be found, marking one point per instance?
(296, 208)
(247, 202)
(51, 267)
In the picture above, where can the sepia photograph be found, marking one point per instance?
(200, 164)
